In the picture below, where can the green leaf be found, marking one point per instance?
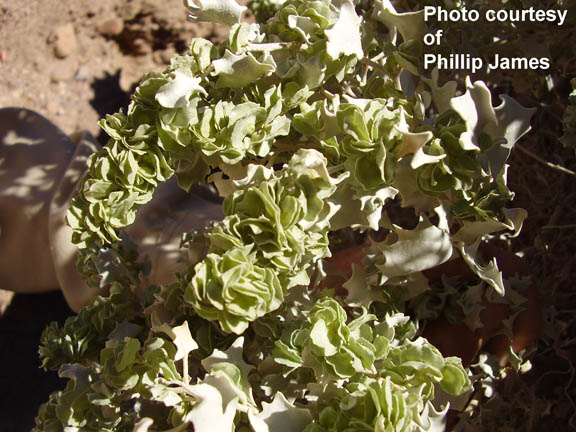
(454, 377)
(351, 121)
(128, 354)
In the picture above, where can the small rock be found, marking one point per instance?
(3, 56)
(110, 28)
(127, 10)
(64, 38)
(82, 74)
(63, 70)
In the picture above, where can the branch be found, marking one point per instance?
(545, 162)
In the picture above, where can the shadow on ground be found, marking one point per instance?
(108, 98)
(24, 385)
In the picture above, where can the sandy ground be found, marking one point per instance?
(75, 61)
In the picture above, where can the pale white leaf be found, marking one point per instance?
(413, 142)
(209, 415)
(419, 249)
(228, 390)
(143, 425)
(473, 230)
(280, 416)
(183, 341)
(512, 122)
(232, 355)
(442, 95)
(176, 93)
(489, 273)
(475, 108)
(239, 70)
(344, 37)
(410, 25)
(226, 12)
(360, 292)
(412, 196)
(181, 337)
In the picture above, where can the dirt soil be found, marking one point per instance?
(75, 61)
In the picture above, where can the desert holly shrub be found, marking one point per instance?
(316, 121)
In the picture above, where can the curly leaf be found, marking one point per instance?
(236, 71)
(226, 12)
